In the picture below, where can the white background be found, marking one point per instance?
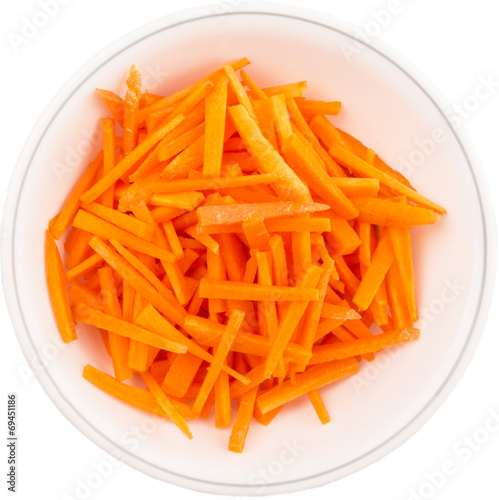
(455, 44)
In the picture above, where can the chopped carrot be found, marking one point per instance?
(230, 243)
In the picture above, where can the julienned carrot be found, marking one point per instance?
(343, 350)
(380, 263)
(311, 379)
(269, 160)
(57, 290)
(166, 304)
(301, 158)
(362, 168)
(129, 161)
(100, 227)
(232, 214)
(165, 404)
(223, 253)
(216, 106)
(385, 212)
(233, 325)
(93, 317)
(132, 395)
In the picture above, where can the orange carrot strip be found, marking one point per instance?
(84, 294)
(163, 214)
(66, 216)
(185, 201)
(301, 158)
(302, 127)
(215, 112)
(243, 418)
(150, 319)
(165, 404)
(132, 395)
(338, 312)
(216, 270)
(118, 345)
(124, 221)
(109, 158)
(254, 88)
(114, 104)
(82, 268)
(99, 227)
(222, 400)
(310, 107)
(319, 407)
(209, 288)
(165, 303)
(90, 316)
(291, 319)
(389, 213)
(311, 379)
(256, 233)
(130, 108)
(56, 284)
(401, 244)
(362, 168)
(279, 264)
(172, 238)
(233, 325)
(381, 261)
(354, 187)
(396, 298)
(281, 117)
(290, 90)
(128, 161)
(232, 253)
(170, 150)
(342, 350)
(205, 239)
(231, 214)
(268, 159)
(239, 91)
(342, 239)
(263, 112)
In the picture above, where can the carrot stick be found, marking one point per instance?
(281, 117)
(68, 212)
(310, 107)
(173, 240)
(132, 395)
(268, 159)
(118, 345)
(290, 90)
(165, 404)
(343, 350)
(256, 233)
(357, 187)
(82, 293)
(232, 253)
(342, 239)
(389, 213)
(381, 261)
(99, 227)
(222, 400)
(301, 158)
(171, 149)
(184, 201)
(243, 418)
(165, 304)
(124, 221)
(265, 118)
(292, 318)
(231, 214)
(362, 168)
(309, 380)
(82, 268)
(58, 294)
(205, 239)
(257, 92)
(319, 407)
(96, 318)
(216, 270)
(239, 91)
(215, 111)
(396, 298)
(128, 161)
(401, 244)
(233, 325)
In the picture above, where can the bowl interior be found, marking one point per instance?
(383, 106)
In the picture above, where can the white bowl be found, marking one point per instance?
(386, 105)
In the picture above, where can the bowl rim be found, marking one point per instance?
(57, 104)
